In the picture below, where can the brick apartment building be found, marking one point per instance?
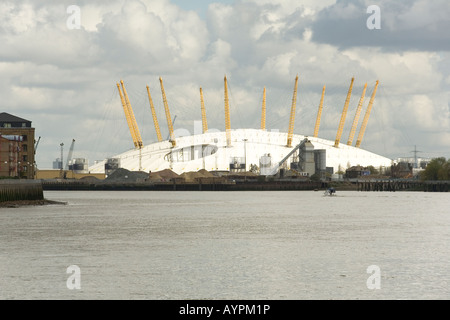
(16, 147)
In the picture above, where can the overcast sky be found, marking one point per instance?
(64, 79)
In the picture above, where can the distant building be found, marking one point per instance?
(57, 164)
(17, 155)
(421, 162)
(402, 170)
(356, 172)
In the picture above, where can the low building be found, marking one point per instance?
(402, 170)
(69, 174)
(415, 163)
(17, 154)
(356, 172)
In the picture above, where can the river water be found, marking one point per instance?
(294, 245)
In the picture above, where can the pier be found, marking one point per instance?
(393, 185)
(180, 185)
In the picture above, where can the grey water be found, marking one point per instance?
(295, 245)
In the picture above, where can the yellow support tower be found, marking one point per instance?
(319, 114)
(130, 116)
(227, 113)
(292, 119)
(155, 119)
(169, 119)
(366, 117)
(356, 119)
(263, 113)
(133, 119)
(127, 115)
(344, 115)
(204, 120)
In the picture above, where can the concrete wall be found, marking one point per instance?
(16, 190)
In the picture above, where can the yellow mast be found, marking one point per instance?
(366, 117)
(127, 115)
(169, 119)
(204, 120)
(155, 119)
(356, 119)
(319, 114)
(292, 119)
(343, 116)
(263, 113)
(227, 113)
(132, 124)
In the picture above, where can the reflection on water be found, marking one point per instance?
(228, 245)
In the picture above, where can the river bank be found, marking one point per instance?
(23, 203)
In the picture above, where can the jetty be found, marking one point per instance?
(403, 185)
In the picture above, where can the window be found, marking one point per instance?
(7, 125)
(25, 168)
(25, 138)
(25, 158)
(24, 124)
(24, 148)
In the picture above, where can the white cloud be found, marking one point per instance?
(64, 80)
(406, 25)
(423, 112)
(19, 19)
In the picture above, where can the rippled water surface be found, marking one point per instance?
(228, 245)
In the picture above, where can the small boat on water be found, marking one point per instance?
(330, 191)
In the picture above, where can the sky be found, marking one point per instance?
(60, 72)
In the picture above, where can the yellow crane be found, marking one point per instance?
(344, 115)
(169, 119)
(356, 118)
(366, 117)
(155, 119)
(204, 120)
(292, 118)
(319, 114)
(227, 113)
(263, 113)
(129, 115)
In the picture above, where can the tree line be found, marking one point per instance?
(437, 169)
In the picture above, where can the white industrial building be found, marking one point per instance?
(209, 151)
(242, 149)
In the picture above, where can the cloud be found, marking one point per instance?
(65, 80)
(152, 36)
(412, 25)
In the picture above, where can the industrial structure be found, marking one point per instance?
(242, 149)
(73, 165)
(17, 147)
